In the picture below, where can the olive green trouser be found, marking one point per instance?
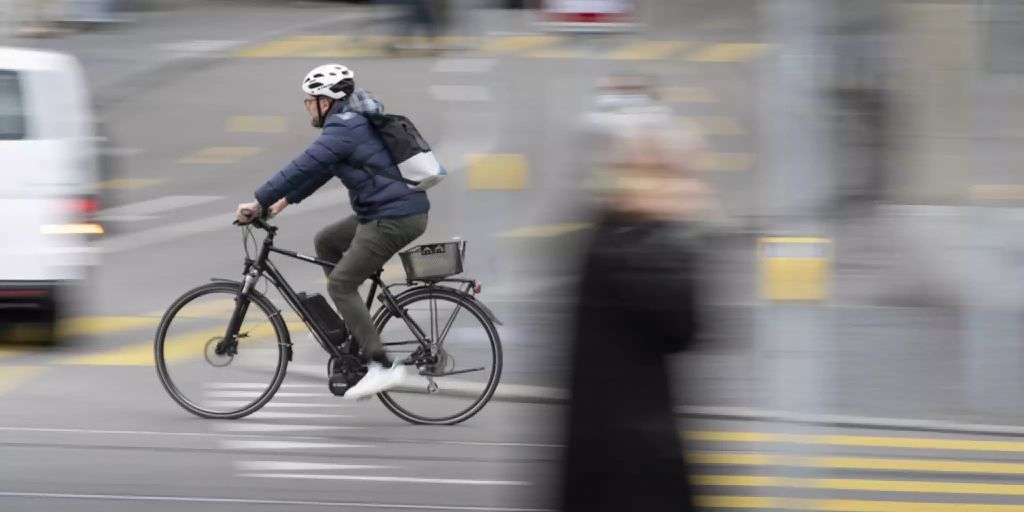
(360, 250)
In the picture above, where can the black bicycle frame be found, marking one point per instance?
(262, 266)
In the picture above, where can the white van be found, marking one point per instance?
(48, 176)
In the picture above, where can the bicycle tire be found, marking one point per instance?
(283, 342)
(407, 298)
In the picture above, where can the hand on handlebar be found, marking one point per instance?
(247, 212)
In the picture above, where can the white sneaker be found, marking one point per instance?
(376, 380)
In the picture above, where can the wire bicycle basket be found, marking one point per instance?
(434, 261)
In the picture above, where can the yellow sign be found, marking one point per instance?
(794, 268)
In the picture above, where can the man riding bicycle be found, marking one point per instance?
(388, 214)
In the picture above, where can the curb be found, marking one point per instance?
(518, 393)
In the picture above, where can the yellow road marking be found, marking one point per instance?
(853, 484)
(856, 463)
(555, 53)
(290, 47)
(6, 352)
(861, 441)
(729, 52)
(125, 184)
(221, 155)
(686, 95)
(647, 50)
(829, 505)
(724, 162)
(257, 124)
(727, 24)
(176, 348)
(997, 192)
(714, 125)
(711, 436)
(921, 443)
(545, 231)
(793, 240)
(182, 347)
(517, 44)
(13, 376)
(498, 172)
(351, 47)
(93, 325)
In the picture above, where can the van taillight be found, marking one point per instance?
(86, 205)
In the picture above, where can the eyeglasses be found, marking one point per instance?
(308, 101)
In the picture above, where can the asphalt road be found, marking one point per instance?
(88, 426)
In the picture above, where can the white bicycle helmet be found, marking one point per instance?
(322, 80)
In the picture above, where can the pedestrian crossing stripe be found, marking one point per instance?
(535, 46)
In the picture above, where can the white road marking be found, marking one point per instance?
(273, 465)
(121, 151)
(243, 427)
(145, 209)
(286, 445)
(277, 405)
(254, 394)
(221, 222)
(389, 479)
(256, 385)
(293, 415)
(464, 65)
(475, 93)
(200, 45)
(246, 501)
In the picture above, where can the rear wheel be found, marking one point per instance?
(460, 377)
(225, 386)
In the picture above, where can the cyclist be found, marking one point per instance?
(388, 214)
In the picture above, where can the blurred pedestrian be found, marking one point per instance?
(637, 305)
(420, 18)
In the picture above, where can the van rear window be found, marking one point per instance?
(12, 106)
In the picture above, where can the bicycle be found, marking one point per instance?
(251, 347)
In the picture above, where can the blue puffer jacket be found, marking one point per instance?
(346, 149)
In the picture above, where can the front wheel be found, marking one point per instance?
(229, 385)
(461, 376)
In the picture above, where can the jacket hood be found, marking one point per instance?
(362, 102)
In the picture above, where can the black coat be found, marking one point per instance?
(637, 306)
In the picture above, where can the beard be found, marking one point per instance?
(316, 123)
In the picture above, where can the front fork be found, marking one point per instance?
(228, 345)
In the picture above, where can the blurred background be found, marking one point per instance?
(861, 262)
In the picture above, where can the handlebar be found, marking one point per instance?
(256, 221)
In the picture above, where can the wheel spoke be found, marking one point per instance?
(466, 371)
(196, 377)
